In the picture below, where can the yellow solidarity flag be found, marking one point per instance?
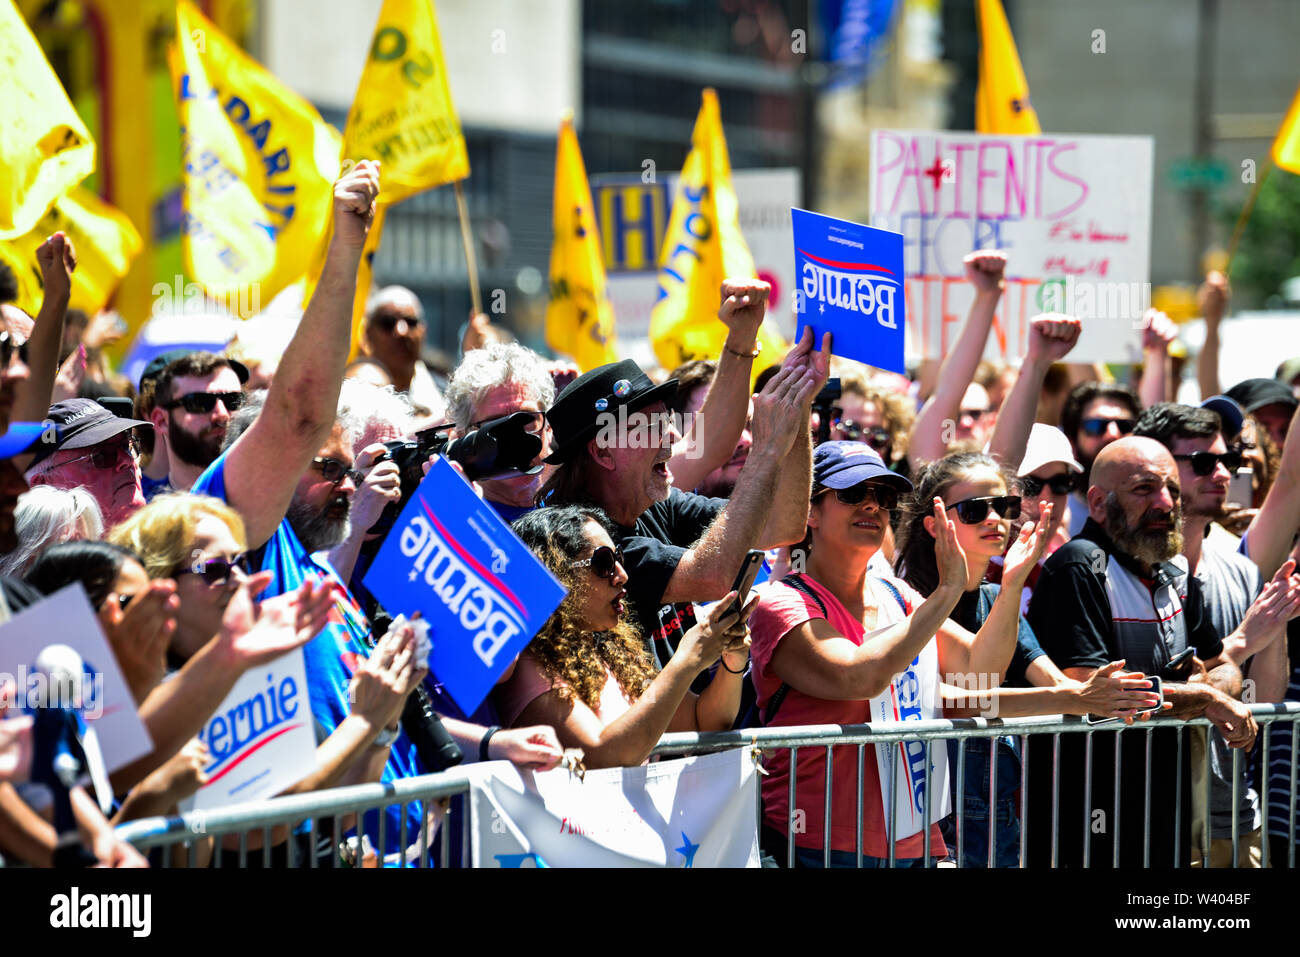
(1286, 147)
(703, 246)
(402, 114)
(45, 148)
(105, 242)
(579, 315)
(1002, 96)
(259, 167)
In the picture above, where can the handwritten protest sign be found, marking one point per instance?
(850, 280)
(261, 739)
(451, 558)
(1073, 214)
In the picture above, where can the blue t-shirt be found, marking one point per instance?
(331, 657)
(509, 513)
(151, 486)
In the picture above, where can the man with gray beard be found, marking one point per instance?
(1112, 594)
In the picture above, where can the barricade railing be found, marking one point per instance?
(313, 847)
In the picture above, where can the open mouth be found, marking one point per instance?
(617, 602)
(661, 468)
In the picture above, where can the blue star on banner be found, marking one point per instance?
(687, 850)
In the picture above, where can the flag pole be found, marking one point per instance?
(467, 237)
(1246, 210)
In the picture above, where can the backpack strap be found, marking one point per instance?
(893, 590)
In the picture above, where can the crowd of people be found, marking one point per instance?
(1027, 539)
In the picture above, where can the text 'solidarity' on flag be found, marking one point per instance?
(703, 246)
(1002, 97)
(103, 237)
(259, 166)
(45, 148)
(579, 315)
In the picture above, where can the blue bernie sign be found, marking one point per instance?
(850, 283)
(450, 557)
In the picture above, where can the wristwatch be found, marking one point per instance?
(387, 737)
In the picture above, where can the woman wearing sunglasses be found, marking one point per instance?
(974, 492)
(588, 672)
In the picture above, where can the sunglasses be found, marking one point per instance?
(1095, 428)
(884, 496)
(9, 345)
(876, 436)
(121, 600)
(216, 571)
(387, 322)
(200, 403)
(1203, 463)
(332, 470)
(108, 457)
(603, 561)
(1059, 484)
(972, 511)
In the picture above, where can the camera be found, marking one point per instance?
(827, 397)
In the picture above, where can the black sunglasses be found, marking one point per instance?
(387, 322)
(1203, 463)
(603, 561)
(1059, 484)
(1095, 428)
(216, 571)
(199, 403)
(884, 496)
(876, 436)
(8, 346)
(332, 470)
(972, 511)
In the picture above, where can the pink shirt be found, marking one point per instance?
(781, 610)
(529, 682)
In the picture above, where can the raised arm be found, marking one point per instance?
(984, 271)
(1271, 533)
(1213, 298)
(1158, 331)
(57, 260)
(263, 467)
(1051, 337)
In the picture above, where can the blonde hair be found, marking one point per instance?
(162, 533)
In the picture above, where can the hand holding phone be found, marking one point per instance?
(753, 561)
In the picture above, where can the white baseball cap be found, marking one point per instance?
(1047, 444)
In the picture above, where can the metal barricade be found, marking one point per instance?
(300, 815)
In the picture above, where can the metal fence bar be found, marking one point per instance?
(1115, 825)
(1209, 803)
(826, 821)
(1024, 796)
(1236, 803)
(790, 809)
(993, 801)
(925, 810)
(1056, 796)
(892, 790)
(1290, 832)
(1087, 800)
(961, 803)
(1178, 798)
(1146, 803)
(861, 753)
(1264, 778)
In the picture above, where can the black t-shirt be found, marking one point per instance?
(974, 606)
(652, 548)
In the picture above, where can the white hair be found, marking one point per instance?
(48, 516)
(365, 408)
(492, 366)
(394, 296)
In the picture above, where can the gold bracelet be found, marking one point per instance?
(758, 347)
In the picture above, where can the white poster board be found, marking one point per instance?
(1072, 213)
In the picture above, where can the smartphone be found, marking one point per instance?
(1155, 687)
(1241, 490)
(745, 578)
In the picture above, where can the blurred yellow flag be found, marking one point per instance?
(1002, 97)
(1286, 147)
(259, 167)
(702, 246)
(402, 114)
(105, 242)
(45, 149)
(579, 315)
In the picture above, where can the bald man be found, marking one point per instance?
(1111, 593)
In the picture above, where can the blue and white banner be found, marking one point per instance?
(850, 283)
(690, 812)
(451, 558)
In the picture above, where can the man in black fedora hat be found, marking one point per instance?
(613, 440)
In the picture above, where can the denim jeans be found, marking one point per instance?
(974, 812)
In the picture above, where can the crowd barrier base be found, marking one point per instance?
(320, 821)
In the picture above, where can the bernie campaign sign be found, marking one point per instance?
(451, 558)
(850, 280)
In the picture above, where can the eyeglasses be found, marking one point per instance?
(200, 403)
(9, 345)
(216, 571)
(1095, 428)
(535, 425)
(107, 458)
(603, 561)
(1203, 463)
(884, 496)
(332, 470)
(387, 321)
(972, 511)
(1059, 484)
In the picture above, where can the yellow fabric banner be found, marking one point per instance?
(259, 166)
(402, 114)
(1286, 146)
(579, 315)
(703, 246)
(45, 148)
(1002, 97)
(105, 242)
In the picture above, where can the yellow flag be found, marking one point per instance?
(702, 246)
(1286, 147)
(402, 114)
(259, 166)
(45, 149)
(1002, 97)
(579, 315)
(105, 241)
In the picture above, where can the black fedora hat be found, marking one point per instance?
(575, 415)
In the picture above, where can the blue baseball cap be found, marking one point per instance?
(840, 465)
(20, 437)
(1230, 415)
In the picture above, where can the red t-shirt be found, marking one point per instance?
(781, 610)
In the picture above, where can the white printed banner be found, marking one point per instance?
(1072, 213)
(689, 812)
